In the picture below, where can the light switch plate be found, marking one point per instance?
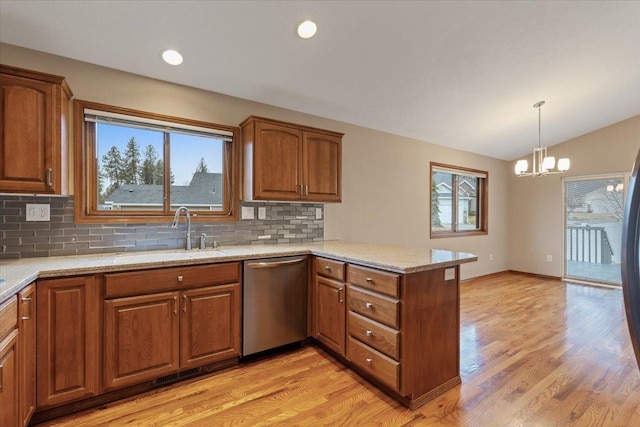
(449, 274)
(262, 212)
(248, 212)
(38, 212)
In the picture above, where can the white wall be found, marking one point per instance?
(386, 192)
(536, 205)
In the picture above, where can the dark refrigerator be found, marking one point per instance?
(631, 257)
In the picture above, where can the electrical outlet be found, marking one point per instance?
(38, 212)
(549, 258)
(262, 212)
(449, 273)
(248, 212)
(318, 213)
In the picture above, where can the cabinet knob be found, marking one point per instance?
(369, 279)
(179, 278)
(368, 305)
(326, 267)
(368, 360)
(368, 333)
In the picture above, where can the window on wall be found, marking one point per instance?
(135, 166)
(458, 201)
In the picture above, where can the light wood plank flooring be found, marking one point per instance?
(535, 352)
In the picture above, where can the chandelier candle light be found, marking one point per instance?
(542, 164)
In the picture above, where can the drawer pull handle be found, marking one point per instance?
(368, 360)
(368, 333)
(179, 278)
(368, 305)
(369, 279)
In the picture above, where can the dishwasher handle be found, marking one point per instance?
(273, 264)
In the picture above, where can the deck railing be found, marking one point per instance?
(588, 244)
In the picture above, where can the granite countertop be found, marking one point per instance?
(19, 273)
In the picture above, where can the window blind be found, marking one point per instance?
(105, 117)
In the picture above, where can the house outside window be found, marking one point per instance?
(458, 201)
(141, 167)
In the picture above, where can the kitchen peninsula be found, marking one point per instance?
(390, 313)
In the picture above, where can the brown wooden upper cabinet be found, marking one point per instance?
(288, 162)
(34, 113)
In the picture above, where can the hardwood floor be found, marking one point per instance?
(534, 352)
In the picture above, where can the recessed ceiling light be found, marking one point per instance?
(307, 29)
(172, 57)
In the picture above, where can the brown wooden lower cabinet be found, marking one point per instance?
(402, 330)
(27, 351)
(67, 340)
(9, 372)
(329, 313)
(210, 325)
(141, 338)
(161, 333)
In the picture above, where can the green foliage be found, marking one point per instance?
(152, 169)
(119, 169)
(132, 162)
(202, 166)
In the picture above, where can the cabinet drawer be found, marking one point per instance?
(376, 280)
(375, 363)
(8, 316)
(374, 306)
(164, 279)
(375, 334)
(329, 268)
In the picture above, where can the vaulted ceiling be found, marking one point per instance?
(462, 74)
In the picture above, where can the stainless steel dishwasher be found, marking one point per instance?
(274, 303)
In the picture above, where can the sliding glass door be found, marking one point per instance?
(594, 208)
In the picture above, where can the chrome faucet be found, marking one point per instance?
(176, 219)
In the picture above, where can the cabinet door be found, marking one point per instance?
(9, 381)
(27, 129)
(277, 170)
(67, 336)
(322, 167)
(27, 345)
(141, 338)
(210, 325)
(330, 313)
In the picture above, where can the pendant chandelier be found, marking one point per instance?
(542, 163)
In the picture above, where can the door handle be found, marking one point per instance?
(274, 263)
(340, 300)
(30, 301)
(49, 177)
(184, 305)
(175, 305)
